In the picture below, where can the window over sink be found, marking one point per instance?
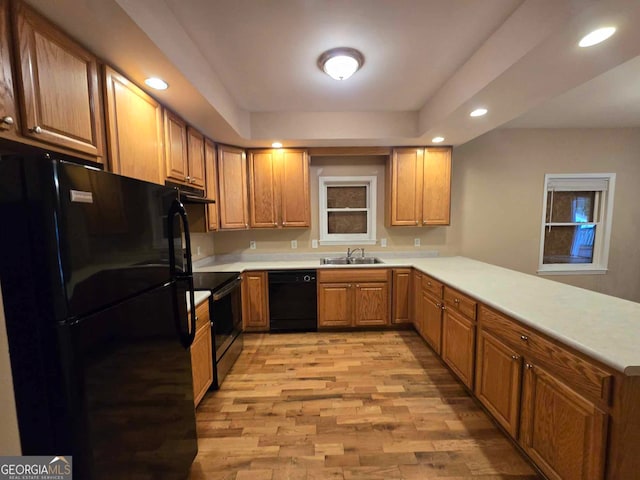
(347, 210)
(576, 223)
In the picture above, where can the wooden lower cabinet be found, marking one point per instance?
(416, 300)
(255, 302)
(401, 288)
(335, 305)
(458, 345)
(371, 303)
(431, 323)
(201, 353)
(498, 380)
(563, 433)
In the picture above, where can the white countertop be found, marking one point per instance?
(603, 327)
(199, 297)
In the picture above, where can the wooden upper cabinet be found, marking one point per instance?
(175, 146)
(211, 184)
(295, 205)
(262, 189)
(134, 130)
(404, 187)
(419, 186)
(8, 113)
(59, 81)
(279, 188)
(436, 194)
(195, 158)
(232, 193)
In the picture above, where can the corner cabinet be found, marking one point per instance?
(61, 102)
(232, 188)
(419, 186)
(279, 188)
(134, 130)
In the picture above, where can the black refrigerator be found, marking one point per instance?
(94, 275)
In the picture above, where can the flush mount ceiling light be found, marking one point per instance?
(276, 145)
(340, 63)
(597, 36)
(478, 112)
(156, 83)
(437, 139)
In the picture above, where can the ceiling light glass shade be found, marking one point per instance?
(340, 63)
(156, 83)
(437, 139)
(276, 145)
(597, 36)
(478, 112)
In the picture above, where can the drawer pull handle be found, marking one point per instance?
(524, 338)
(515, 357)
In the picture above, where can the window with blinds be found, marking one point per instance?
(576, 223)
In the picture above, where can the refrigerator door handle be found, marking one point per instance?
(178, 209)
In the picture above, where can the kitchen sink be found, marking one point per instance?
(349, 260)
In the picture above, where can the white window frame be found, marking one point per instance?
(369, 238)
(603, 215)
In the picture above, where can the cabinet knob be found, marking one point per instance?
(416, 222)
(424, 222)
(37, 129)
(275, 224)
(8, 120)
(246, 225)
(444, 307)
(284, 224)
(529, 366)
(429, 283)
(196, 318)
(357, 285)
(515, 357)
(211, 323)
(456, 300)
(439, 305)
(524, 338)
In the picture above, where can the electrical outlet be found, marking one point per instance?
(294, 243)
(314, 243)
(383, 242)
(198, 251)
(252, 244)
(416, 242)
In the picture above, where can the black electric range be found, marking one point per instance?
(225, 308)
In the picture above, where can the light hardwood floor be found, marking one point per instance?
(357, 405)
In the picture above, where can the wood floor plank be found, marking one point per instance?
(347, 406)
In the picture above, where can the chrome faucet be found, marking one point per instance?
(351, 252)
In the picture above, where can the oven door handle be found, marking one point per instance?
(226, 290)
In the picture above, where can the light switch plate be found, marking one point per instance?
(294, 243)
(416, 242)
(383, 242)
(314, 243)
(252, 244)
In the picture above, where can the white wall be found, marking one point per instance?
(9, 437)
(497, 196)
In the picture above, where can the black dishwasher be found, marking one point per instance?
(293, 301)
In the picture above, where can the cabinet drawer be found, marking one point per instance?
(581, 374)
(432, 285)
(460, 302)
(202, 314)
(353, 275)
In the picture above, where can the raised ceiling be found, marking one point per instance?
(244, 71)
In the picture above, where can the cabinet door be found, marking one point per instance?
(335, 306)
(195, 156)
(59, 80)
(431, 321)
(295, 206)
(561, 431)
(498, 380)
(201, 354)
(458, 340)
(436, 194)
(255, 314)
(175, 140)
(232, 193)
(371, 304)
(405, 186)
(400, 286)
(8, 117)
(211, 184)
(262, 189)
(134, 130)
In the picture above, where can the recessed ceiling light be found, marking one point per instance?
(597, 36)
(478, 112)
(437, 139)
(340, 63)
(276, 145)
(156, 83)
